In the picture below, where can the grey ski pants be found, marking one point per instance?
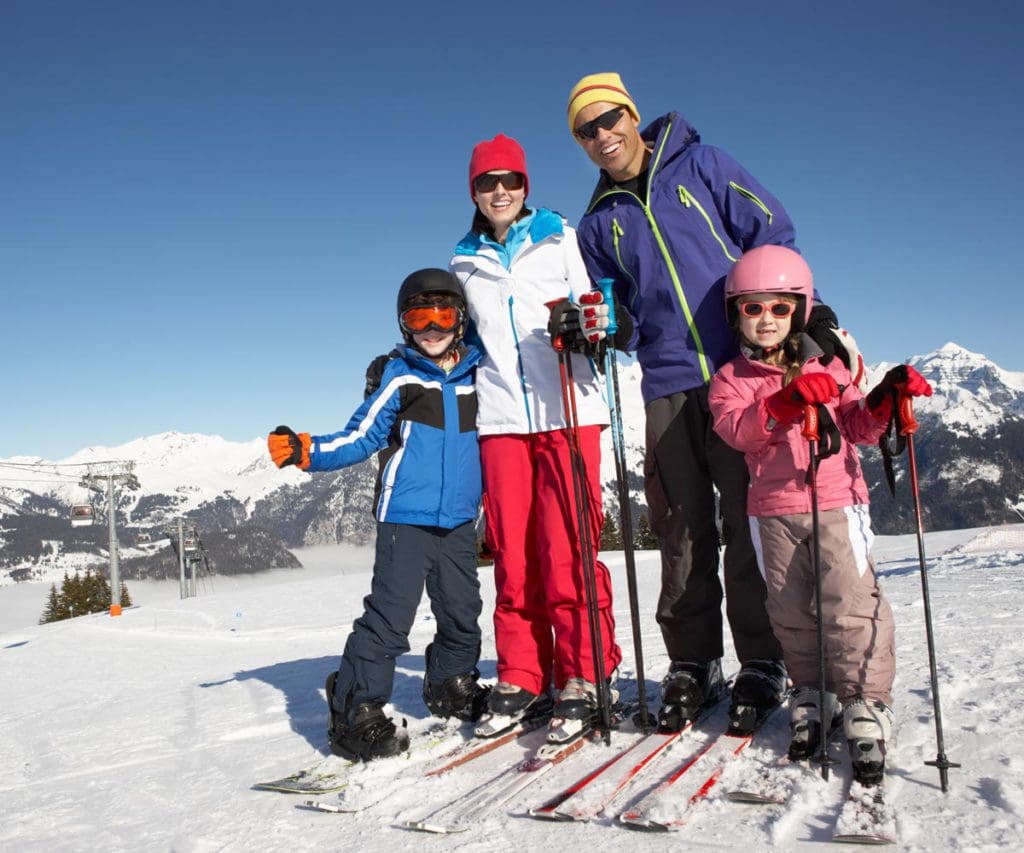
(858, 623)
(685, 460)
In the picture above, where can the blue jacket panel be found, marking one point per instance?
(424, 423)
(670, 250)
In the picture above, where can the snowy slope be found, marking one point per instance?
(144, 732)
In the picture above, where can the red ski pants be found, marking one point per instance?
(540, 618)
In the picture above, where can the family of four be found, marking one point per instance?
(734, 345)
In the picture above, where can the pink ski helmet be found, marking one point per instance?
(771, 269)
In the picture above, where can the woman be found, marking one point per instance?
(513, 262)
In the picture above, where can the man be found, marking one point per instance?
(667, 220)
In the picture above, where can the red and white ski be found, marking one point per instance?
(465, 811)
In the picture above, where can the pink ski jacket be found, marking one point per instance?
(777, 459)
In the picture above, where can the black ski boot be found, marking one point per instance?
(759, 689)
(578, 699)
(372, 734)
(507, 704)
(868, 727)
(461, 696)
(805, 721)
(688, 688)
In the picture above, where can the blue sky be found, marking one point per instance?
(207, 207)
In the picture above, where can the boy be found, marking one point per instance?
(423, 419)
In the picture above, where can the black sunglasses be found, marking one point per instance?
(488, 182)
(605, 121)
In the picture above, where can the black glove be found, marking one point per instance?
(375, 372)
(624, 327)
(564, 325)
(822, 326)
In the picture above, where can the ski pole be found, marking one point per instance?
(579, 487)
(810, 432)
(611, 375)
(908, 428)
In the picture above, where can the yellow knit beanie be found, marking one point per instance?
(606, 86)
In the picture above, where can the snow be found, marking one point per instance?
(146, 731)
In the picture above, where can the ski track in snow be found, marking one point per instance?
(145, 732)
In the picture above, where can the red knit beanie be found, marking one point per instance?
(498, 154)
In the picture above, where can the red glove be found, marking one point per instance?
(287, 448)
(787, 405)
(905, 381)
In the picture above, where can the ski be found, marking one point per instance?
(866, 816)
(593, 793)
(330, 775)
(477, 746)
(466, 810)
(659, 810)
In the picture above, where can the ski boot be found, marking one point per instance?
(805, 721)
(686, 690)
(759, 689)
(461, 696)
(576, 710)
(372, 734)
(868, 727)
(507, 705)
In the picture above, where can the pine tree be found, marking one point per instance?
(126, 599)
(52, 610)
(611, 537)
(645, 540)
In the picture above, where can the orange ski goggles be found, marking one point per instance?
(443, 318)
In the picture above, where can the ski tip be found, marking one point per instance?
(433, 828)
(641, 823)
(549, 814)
(872, 839)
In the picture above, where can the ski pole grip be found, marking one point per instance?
(557, 344)
(908, 425)
(810, 427)
(605, 286)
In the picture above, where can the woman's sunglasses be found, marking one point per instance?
(605, 121)
(488, 181)
(780, 309)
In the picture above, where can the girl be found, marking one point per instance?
(513, 261)
(758, 401)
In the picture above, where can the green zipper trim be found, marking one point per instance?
(687, 199)
(616, 233)
(743, 191)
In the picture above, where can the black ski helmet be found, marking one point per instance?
(434, 281)
(430, 280)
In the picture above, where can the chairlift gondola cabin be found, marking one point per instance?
(190, 545)
(82, 515)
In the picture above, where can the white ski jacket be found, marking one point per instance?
(518, 384)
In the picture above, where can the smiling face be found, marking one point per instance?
(433, 343)
(619, 150)
(500, 206)
(767, 330)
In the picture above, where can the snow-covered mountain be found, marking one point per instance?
(970, 451)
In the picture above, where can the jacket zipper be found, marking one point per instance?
(519, 361)
(689, 201)
(747, 194)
